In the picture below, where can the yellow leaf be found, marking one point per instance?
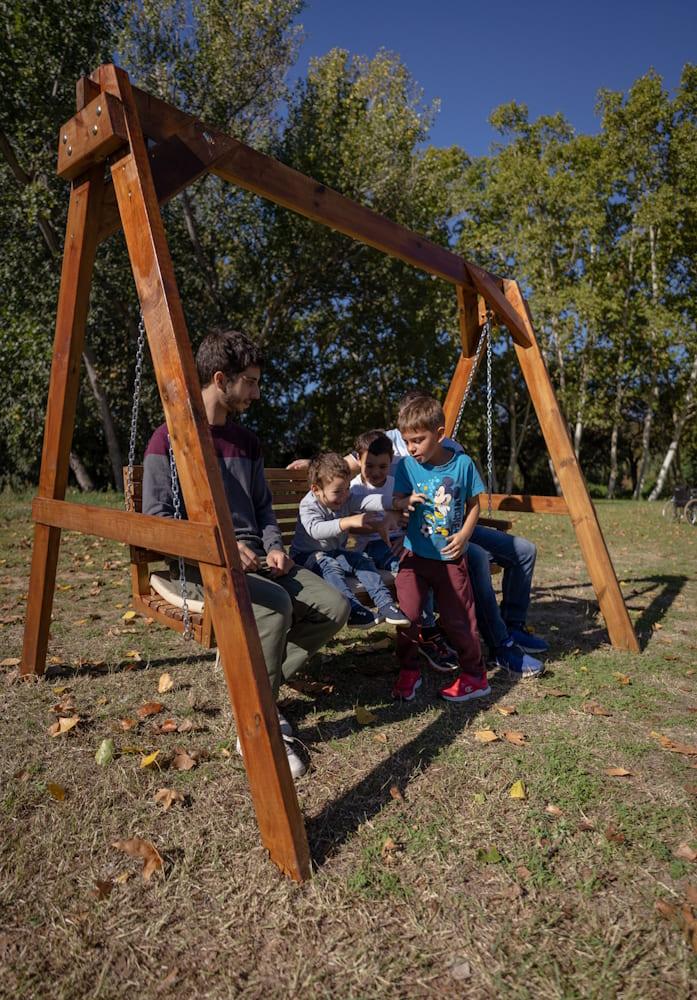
(506, 709)
(128, 616)
(132, 654)
(380, 737)
(80, 621)
(166, 796)
(137, 848)
(165, 683)
(518, 790)
(63, 725)
(485, 736)
(56, 791)
(623, 678)
(617, 772)
(364, 717)
(150, 759)
(515, 737)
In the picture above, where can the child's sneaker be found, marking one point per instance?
(438, 654)
(391, 614)
(360, 617)
(467, 688)
(297, 765)
(527, 640)
(407, 684)
(518, 663)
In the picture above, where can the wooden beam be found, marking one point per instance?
(524, 503)
(73, 301)
(198, 542)
(94, 133)
(488, 287)
(581, 509)
(226, 595)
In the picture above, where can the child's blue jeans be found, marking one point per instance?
(336, 565)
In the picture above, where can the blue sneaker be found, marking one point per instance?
(391, 614)
(360, 617)
(517, 662)
(527, 640)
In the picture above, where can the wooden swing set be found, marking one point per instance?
(126, 153)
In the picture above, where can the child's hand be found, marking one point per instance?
(365, 521)
(455, 546)
(410, 502)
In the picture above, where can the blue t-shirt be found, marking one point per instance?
(447, 489)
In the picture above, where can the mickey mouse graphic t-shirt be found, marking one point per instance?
(447, 489)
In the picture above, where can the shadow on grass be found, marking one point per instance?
(341, 818)
(575, 611)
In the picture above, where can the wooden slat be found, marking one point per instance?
(525, 503)
(226, 596)
(581, 509)
(495, 522)
(198, 542)
(287, 475)
(94, 133)
(163, 614)
(73, 301)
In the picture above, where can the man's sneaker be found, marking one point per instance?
(527, 640)
(407, 684)
(517, 662)
(360, 617)
(467, 688)
(391, 614)
(297, 765)
(438, 654)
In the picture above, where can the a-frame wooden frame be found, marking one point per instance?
(111, 126)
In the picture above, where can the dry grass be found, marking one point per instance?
(452, 889)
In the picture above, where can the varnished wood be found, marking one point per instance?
(73, 300)
(525, 503)
(93, 134)
(489, 288)
(184, 538)
(226, 594)
(581, 509)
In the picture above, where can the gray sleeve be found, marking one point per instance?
(315, 522)
(263, 507)
(157, 487)
(372, 502)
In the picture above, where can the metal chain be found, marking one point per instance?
(176, 499)
(137, 382)
(470, 378)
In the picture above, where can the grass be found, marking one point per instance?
(430, 879)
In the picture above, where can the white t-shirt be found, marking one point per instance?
(361, 490)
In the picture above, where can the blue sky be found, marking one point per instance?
(475, 56)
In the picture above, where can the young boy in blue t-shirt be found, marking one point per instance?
(440, 488)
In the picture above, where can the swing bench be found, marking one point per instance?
(156, 595)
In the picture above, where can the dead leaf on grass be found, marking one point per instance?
(135, 847)
(150, 708)
(685, 853)
(133, 654)
(523, 873)
(515, 737)
(390, 851)
(691, 894)
(554, 693)
(675, 747)
(127, 724)
(168, 726)
(150, 759)
(183, 761)
(102, 888)
(64, 725)
(485, 736)
(56, 792)
(506, 709)
(64, 706)
(553, 810)
(617, 772)
(623, 679)
(364, 717)
(380, 737)
(128, 616)
(518, 790)
(10, 661)
(186, 726)
(614, 835)
(396, 794)
(307, 686)
(105, 753)
(593, 708)
(165, 683)
(586, 825)
(167, 797)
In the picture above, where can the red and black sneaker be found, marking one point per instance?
(407, 684)
(437, 652)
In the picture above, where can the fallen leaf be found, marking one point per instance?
(593, 708)
(485, 736)
(396, 794)
(127, 724)
(128, 616)
(586, 825)
(523, 873)
(617, 772)
(553, 811)
(102, 701)
(10, 661)
(64, 706)
(150, 759)
(666, 910)
(691, 894)
(133, 654)
(364, 717)
(685, 853)
(56, 792)
(168, 726)
(380, 737)
(63, 725)
(554, 693)
(102, 888)
(489, 856)
(186, 726)
(623, 678)
(60, 690)
(306, 686)
(81, 621)
(506, 709)
(668, 744)
(105, 753)
(390, 850)
(165, 683)
(516, 737)
(138, 848)
(122, 877)
(518, 790)
(614, 835)
(150, 708)
(167, 796)
(183, 761)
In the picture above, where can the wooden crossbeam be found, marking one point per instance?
(96, 131)
(198, 542)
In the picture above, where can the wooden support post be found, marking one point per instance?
(581, 509)
(226, 595)
(73, 300)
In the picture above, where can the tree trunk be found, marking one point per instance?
(654, 396)
(84, 480)
(112, 440)
(681, 418)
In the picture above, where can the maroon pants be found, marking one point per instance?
(451, 586)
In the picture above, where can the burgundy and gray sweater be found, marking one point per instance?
(242, 468)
